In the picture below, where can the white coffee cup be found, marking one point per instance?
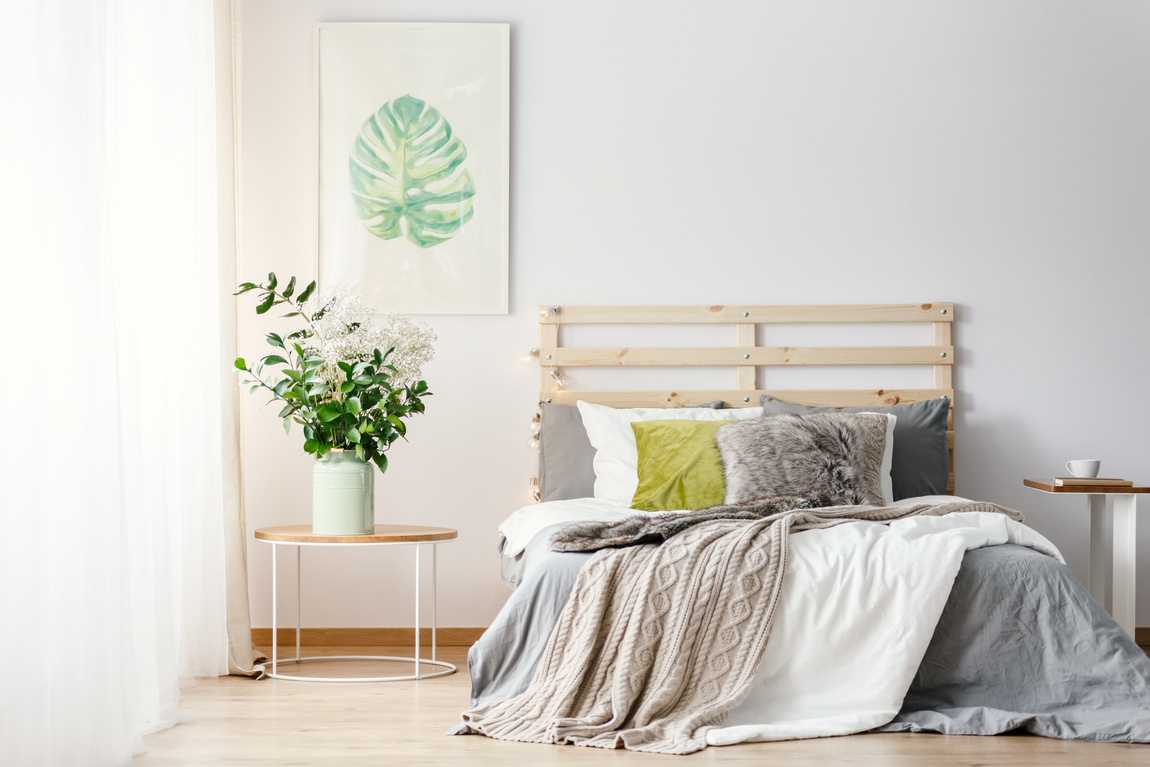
(1084, 467)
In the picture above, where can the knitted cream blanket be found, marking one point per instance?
(658, 643)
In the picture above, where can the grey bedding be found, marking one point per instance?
(1020, 645)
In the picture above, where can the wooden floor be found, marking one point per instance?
(274, 722)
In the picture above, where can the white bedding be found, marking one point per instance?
(858, 609)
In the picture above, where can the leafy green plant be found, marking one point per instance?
(332, 377)
(407, 165)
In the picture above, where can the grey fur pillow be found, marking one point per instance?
(840, 454)
(921, 458)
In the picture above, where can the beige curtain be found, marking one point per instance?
(242, 655)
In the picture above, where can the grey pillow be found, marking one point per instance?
(920, 463)
(566, 457)
(839, 454)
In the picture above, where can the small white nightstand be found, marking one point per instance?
(1125, 543)
(384, 535)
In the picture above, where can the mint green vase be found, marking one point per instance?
(342, 495)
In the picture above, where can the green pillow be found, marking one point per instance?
(679, 465)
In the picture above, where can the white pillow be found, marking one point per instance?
(616, 455)
(887, 455)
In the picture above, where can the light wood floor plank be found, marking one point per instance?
(274, 722)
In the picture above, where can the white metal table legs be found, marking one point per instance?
(417, 625)
(447, 668)
(1125, 551)
(1097, 583)
(1124, 555)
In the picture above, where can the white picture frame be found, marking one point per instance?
(413, 164)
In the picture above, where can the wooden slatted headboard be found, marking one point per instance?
(745, 357)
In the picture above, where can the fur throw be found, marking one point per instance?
(656, 528)
(839, 454)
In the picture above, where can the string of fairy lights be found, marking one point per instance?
(557, 381)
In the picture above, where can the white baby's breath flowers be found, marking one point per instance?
(348, 330)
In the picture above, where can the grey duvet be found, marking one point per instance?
(1020, 646)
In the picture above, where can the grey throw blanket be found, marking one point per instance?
(658, 643)
(656, 528)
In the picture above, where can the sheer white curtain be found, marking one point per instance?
(111, 541)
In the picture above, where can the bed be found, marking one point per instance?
(954, 618)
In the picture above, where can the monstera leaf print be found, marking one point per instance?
(407, 166)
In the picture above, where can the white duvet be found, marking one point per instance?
(858, 609)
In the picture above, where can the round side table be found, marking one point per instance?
(384, 535)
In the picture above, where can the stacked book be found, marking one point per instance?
(1092, 482)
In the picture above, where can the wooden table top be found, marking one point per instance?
(1050, 487)
(382, 534)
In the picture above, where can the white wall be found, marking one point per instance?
(991, 153)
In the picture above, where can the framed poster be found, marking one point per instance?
(413, 129)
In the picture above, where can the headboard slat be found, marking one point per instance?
(710, 356)
(693, 315)
(735, 397)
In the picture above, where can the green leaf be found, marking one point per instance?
(274, 339)
(329, 412)
(287, 425)
(352, 434)
(245, 287)
(267, 303)
(346, 386)
(253, 389)
(273, 359)
(271, 281)
(287, 410)
(286, 292)
(310, 446)
(241, 364)
(353, 405)
(345, 367)
(359, 451)
(398, 424)
(306, 294)
(406, 166)
(380, 460)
